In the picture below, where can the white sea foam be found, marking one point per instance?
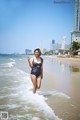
(10, 64)
(57, 93)
(12, 59)
(54, 93)
(35, 118)
(12, 106)
(20, 59)
(1, 97)
(38, 101)
(24, 94)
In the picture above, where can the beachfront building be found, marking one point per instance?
(57, 48)
(27, 51)
(64, 46)
(54, 46)
(44, 50)
(75, 35)
(63, 42)
(53, 41)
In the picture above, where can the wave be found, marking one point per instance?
(20, 59)
(54, 93)
(20, 91)
(10, 64)
(38, 101)
(12, 59)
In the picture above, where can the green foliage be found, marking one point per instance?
(75, 46)
(46, 53)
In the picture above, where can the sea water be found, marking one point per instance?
(16, 98)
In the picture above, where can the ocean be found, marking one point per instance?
(53, 101)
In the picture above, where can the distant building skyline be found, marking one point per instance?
(55, 46)
(63, 45)
(27, 51)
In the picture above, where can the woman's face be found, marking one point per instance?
(36, 53)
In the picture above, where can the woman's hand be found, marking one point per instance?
(30, 62)
(41, 76)
(28, 59)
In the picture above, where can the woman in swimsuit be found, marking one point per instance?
(36, 64)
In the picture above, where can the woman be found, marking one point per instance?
(36, 64)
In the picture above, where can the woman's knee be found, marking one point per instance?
(38, 86)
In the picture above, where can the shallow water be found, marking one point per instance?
(64, 77)
(57, 99)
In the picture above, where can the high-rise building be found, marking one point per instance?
(53, 41)
(75, 35)
(63, 45)
(27, 51)
(77, 16)
(44, 51)
(54, 45)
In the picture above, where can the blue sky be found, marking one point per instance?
(33, 23)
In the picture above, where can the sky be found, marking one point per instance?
(30, 24)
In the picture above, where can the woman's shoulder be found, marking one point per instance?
(41, 59)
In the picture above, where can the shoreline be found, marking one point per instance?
(73, 59)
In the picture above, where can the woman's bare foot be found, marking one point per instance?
(33, 90)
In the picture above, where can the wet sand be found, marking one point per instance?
(62, 75)
(75, 59)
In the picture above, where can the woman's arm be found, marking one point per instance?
(42, 70)
(30, 61)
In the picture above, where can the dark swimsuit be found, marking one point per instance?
(36, 69)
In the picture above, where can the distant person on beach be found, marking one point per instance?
(36, 64)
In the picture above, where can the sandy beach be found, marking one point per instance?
(75, 59)
(62, 76)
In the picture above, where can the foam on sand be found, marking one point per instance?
(21, 97)
(37, 101)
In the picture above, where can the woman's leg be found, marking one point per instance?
(34, 81)
(38, 82)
